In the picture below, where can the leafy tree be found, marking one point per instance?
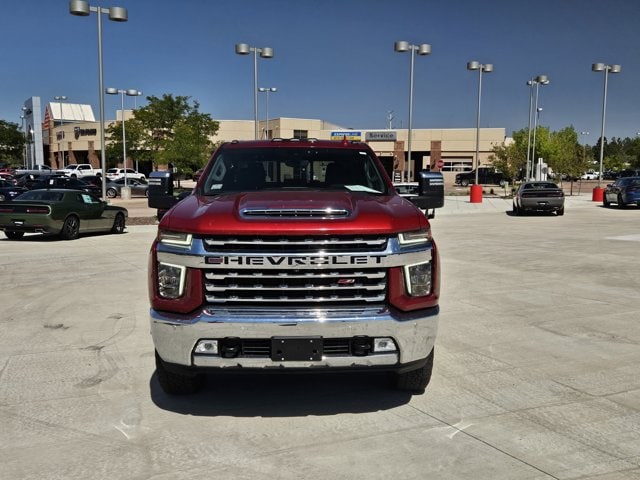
(135, 140)
(11, 143)
(173, 131)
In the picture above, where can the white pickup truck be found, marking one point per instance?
(80, 170)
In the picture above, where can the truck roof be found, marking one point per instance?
(294, 142)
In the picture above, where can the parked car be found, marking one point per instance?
(623, 191)
(115, 173)
(8, 191)
(628, 172)
(67, 213)
(7, 177)
(590, 175)
(67, 183)
(486, 176)
(137, 188)
(538, 197)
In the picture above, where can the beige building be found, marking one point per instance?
(446, 150)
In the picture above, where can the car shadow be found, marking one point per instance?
(284, 395)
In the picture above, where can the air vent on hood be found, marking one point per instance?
(295, 212)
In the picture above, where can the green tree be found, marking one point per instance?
(135, 141)
(11, 143)
(174, 131)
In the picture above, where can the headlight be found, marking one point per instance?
(179, 239)
(171, 280)
(413, 238)
(418, 279)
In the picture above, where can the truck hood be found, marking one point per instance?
(277, 212)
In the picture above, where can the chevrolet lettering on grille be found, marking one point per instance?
(296, 261)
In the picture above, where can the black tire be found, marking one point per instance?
(13, 235)
(416, 380)
(560, 211)
(502, 183)
(464, 183)
(112, 193)
(177, 384)
(70, 228)
(620, 202)
(118, 224)
(516, 210)
(73, 175)
(605, 201)
(146, 193)
(2, 199)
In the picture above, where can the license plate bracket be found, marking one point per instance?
(291, 349)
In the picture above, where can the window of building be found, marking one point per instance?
(301, 134)
(459, 164)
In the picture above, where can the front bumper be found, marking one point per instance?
(175, 337)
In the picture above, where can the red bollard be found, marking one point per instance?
(476, 194)
(598, 194)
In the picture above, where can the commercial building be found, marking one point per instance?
(71, 135)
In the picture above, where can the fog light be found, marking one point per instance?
(209, 347)
(384, 344)
(171, 280)
(361, 346)
(418, 279)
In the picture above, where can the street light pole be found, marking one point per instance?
(60, 98)
(584, 146)
(24, 135)
(131, 93)
(476, 189)
(117, 14)
(601, 67)
(537, 81)
(265, 52)
(422, 49)
(266, 116)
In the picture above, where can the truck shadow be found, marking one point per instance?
(284, 395)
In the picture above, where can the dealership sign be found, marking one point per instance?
(83, 132)
(356, 136)
(383, 136)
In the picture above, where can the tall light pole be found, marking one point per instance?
(535, 81)
(422, 49)
(131, 93)
(267, 90)
(584, 146)
(82, 8)
(60, 99)
(265, 52)
(601, 67)
(536, 120)
(24, 134)
(476, 189)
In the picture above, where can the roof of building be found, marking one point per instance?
(71, 112)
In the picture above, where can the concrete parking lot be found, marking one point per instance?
(536, 371)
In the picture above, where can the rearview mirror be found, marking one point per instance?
(430, 191)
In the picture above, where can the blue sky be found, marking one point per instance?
(334, 59)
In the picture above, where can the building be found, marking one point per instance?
(75, 138)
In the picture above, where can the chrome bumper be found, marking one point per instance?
(175, 336)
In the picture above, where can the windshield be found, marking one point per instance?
(251, 169)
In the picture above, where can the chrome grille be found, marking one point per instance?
(295, 285)
(304, 244)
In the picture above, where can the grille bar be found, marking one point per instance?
(296, 213)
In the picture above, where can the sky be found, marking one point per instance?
(334, 59)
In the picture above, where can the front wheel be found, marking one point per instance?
(12, 235)
(70, 228)
(174, 383)
(560, 211)
(464, 183)
(416, 380)
(118, 224)
(605, 201)
(502, 183)
(620, 201)
(112, 193)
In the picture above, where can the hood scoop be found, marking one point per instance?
(295, 213)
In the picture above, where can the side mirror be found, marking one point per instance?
(161, 190)
(430, 192)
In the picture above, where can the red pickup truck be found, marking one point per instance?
(294, 255)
